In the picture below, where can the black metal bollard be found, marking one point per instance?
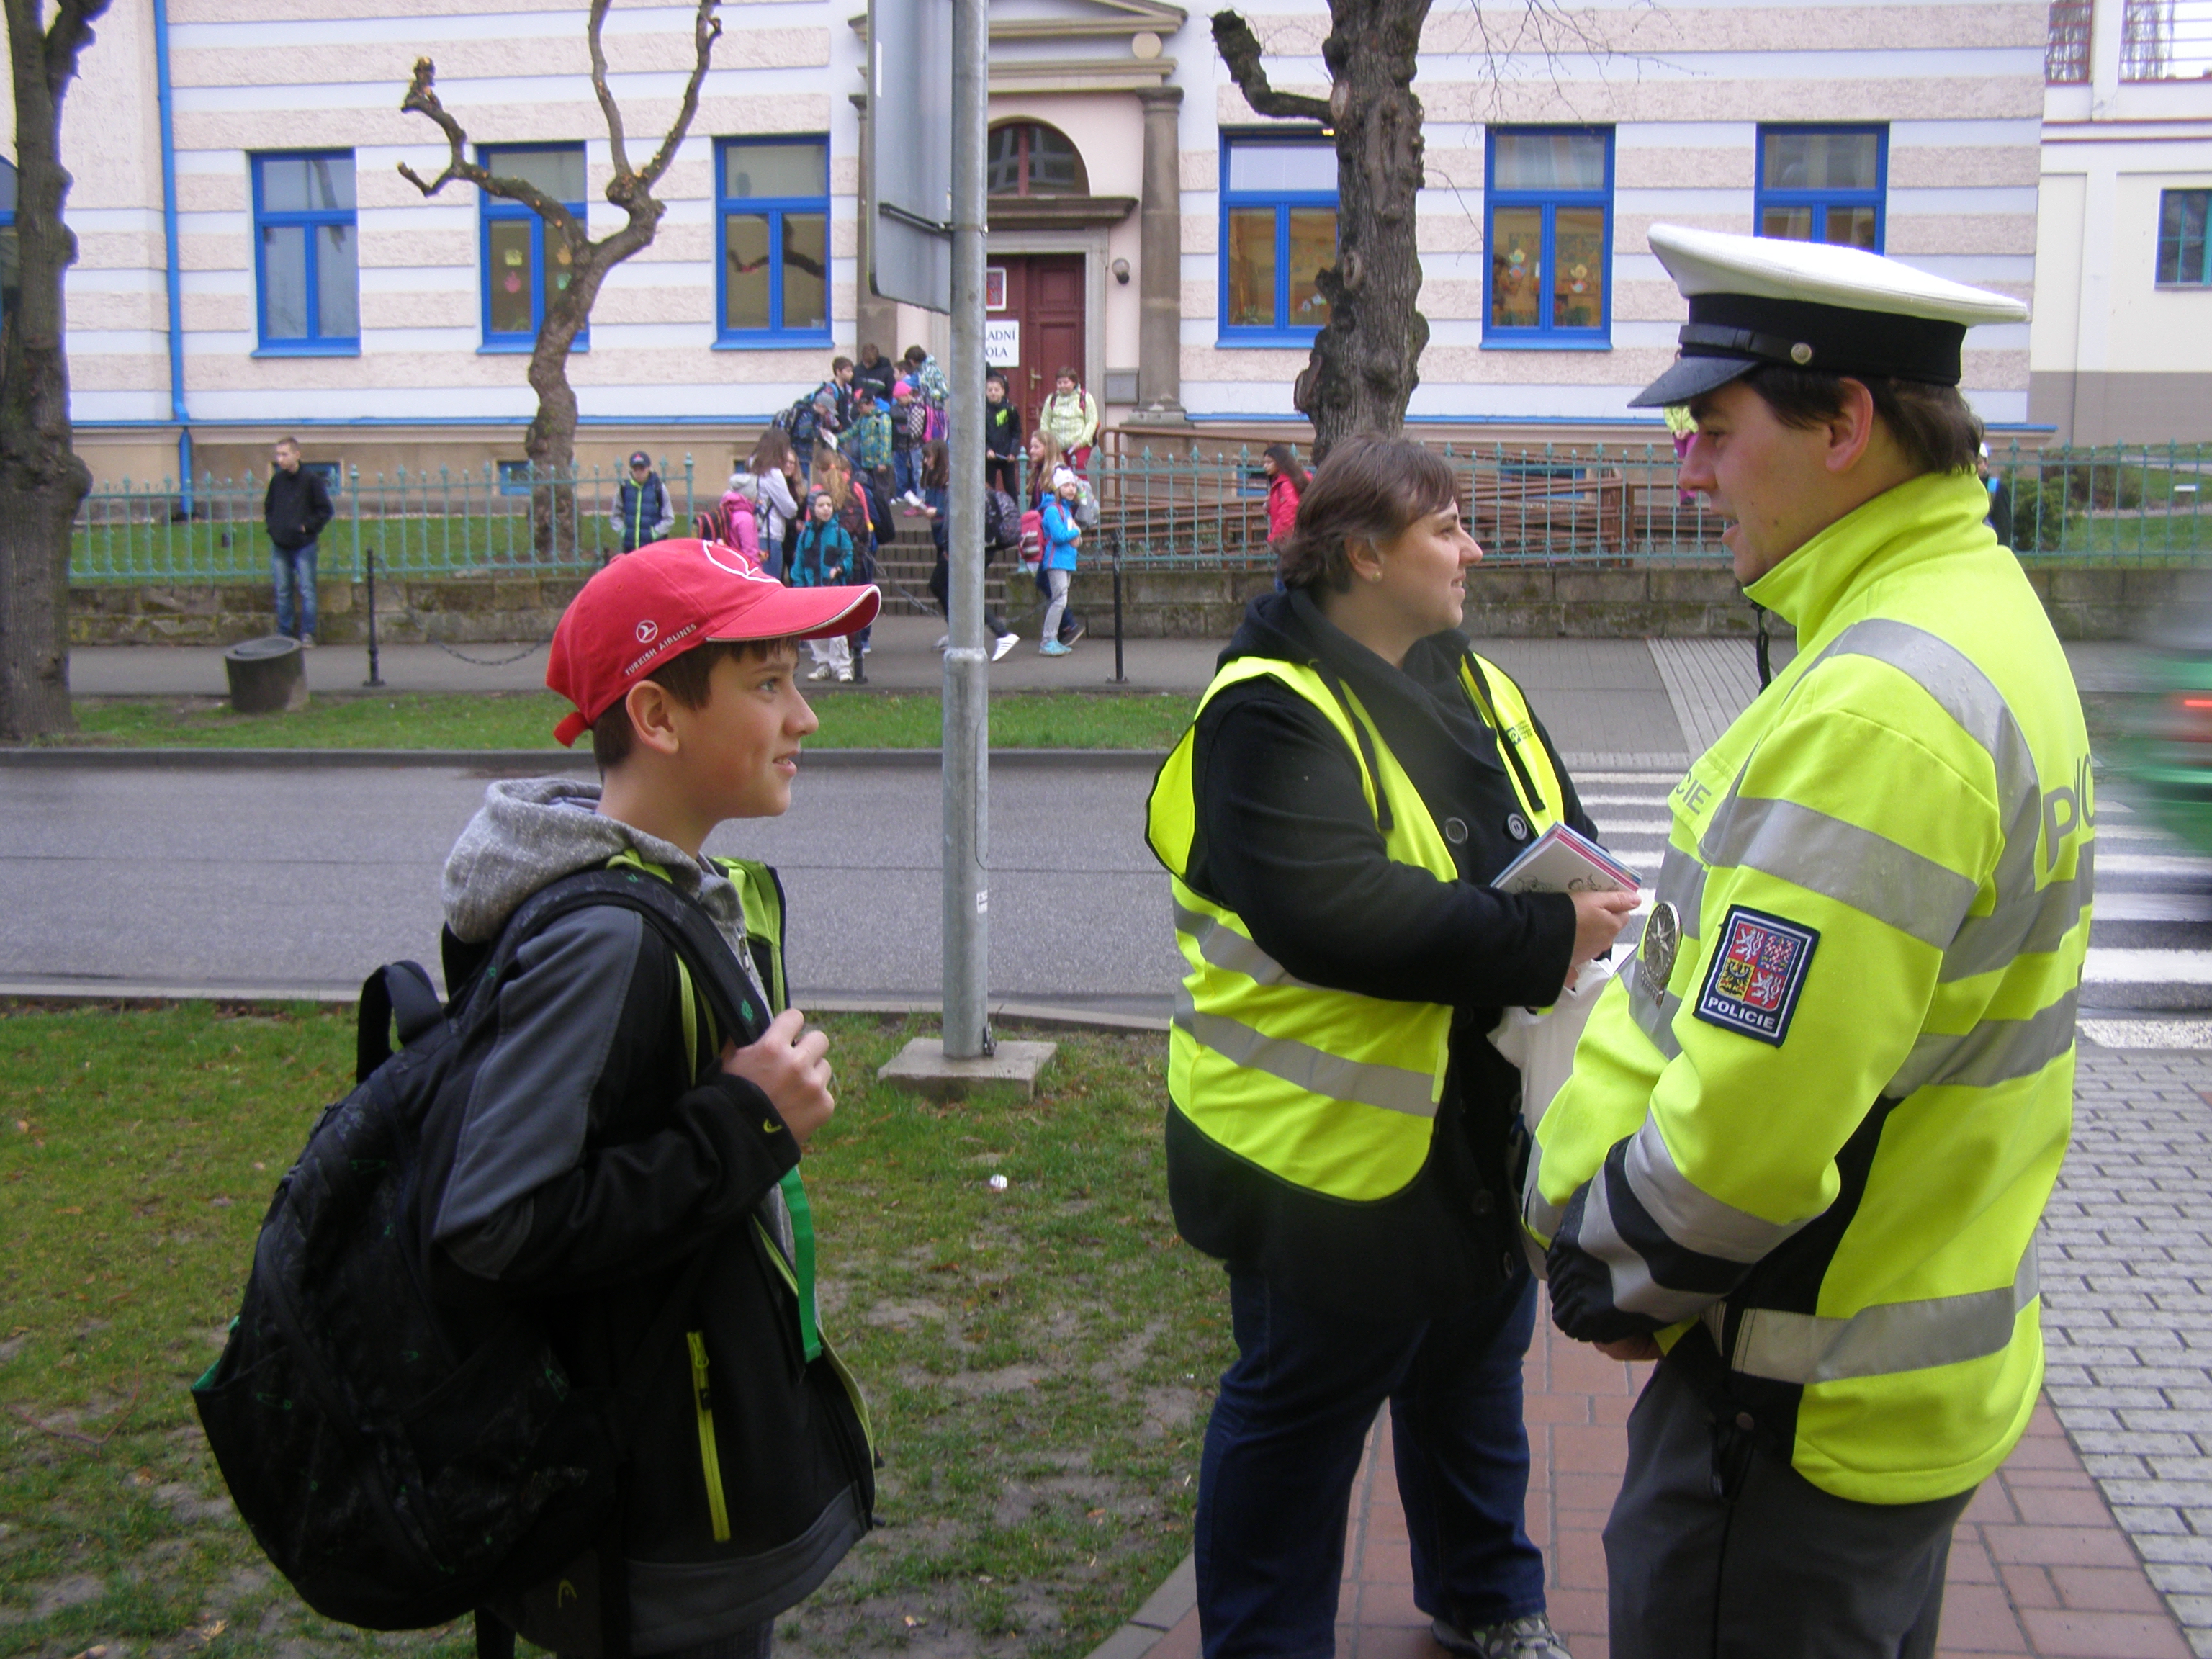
(1120, 677)
(376, 680)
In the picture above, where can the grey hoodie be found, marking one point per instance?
(533, 830)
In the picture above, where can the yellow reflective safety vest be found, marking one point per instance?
(1329, 1090)
(1826, 1127)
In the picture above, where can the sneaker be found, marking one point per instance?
(306, 641)
(1054, 648)
(1072, 632)
(844, 676)
(821, 671)
(1529, 1637)
(944, 640)
(1003, 644)
(913, 498)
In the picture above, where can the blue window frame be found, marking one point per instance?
(521, 262)
(772, 204)
(307, 254)
(2184, 249)
(11, 261)
(1823, 184)
(1278, 233)
(1547, 225)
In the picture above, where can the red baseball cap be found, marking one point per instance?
(667, 597)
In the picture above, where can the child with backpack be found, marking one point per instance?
(622, 1151)
(909, 432)
(822, 559)
(1286, 483)
(1062, 536)
(936, 505)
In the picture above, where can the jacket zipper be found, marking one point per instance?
(710, 1460)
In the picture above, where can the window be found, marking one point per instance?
(11, 262)
(1029, 159)
(2185, 254)
(522, 263)
(773, 203)
(1822, 184)
(306, 253)
(1277, 231)
(1548, 209)
(2066, 47)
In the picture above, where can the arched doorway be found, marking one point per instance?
(1034, 318)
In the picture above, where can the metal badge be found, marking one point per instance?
(1654, 958)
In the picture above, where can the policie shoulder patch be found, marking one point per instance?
(1757, 969)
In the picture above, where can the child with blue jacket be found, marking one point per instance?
(1062, 535)
(823, 557)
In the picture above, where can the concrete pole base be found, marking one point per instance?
(921, 1067)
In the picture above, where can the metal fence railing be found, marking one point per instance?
(1183, 509)
(509, 518)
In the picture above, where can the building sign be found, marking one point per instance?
(1002, 341)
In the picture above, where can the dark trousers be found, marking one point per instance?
(1784, 1568)
(1284, 1445)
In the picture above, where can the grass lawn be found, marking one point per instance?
(525, 719)
(1039, 1361)
(206, 551)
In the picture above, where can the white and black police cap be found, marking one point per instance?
(1756, 300)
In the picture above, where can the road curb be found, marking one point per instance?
(527, 761)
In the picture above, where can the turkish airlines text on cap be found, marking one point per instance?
(665, 599)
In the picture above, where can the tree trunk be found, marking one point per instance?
(41, 479)
(1366, 361)
(551, 442)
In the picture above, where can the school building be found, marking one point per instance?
(253, 264)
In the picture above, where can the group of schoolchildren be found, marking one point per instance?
(815, 500)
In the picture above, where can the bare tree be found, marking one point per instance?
(42, 479)
(1366, 360)
(551, 442)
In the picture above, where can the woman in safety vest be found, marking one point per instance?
(1340, 1133)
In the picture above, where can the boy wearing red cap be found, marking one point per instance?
(603, 1150)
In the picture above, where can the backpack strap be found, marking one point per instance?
(401, 990)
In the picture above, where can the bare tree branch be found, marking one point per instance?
(607, 106)
(705, 29)
(422, 100)
(1240, 49)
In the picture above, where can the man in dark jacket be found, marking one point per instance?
(294, 511)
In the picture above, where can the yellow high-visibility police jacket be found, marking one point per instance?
(1826, 1130)
(1331, 1091)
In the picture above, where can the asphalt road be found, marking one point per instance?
(264, 879)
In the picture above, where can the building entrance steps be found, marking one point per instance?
(2039, 1567)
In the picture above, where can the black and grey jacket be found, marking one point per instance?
(592, 1157)
(1285, 837)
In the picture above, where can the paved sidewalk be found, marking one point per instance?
(2050, 1562)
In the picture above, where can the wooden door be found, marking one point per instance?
(1044, 295)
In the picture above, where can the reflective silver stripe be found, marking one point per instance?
(1307, 1068)
(1634, 1290)
(1539, 1217)
(1888, 1338)
(1994, 1051)
(1655, 1018)
(1694, 1219)
(2022, 926)
(1224, 947)
(1682, 884)
(1968, 696)
(1873, 874)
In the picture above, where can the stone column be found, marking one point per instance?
(873, 316)
(1160, 335)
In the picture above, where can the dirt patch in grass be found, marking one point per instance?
(1039, 1361)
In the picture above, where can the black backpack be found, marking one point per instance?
(399, 1461)
(801, 420)
(1002, 522)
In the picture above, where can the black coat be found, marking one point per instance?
(1285, 839)
(296, 507)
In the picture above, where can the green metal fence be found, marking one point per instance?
(1549, 504)
(504, 519)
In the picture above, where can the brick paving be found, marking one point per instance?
(2094, 1541)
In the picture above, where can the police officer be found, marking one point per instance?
(1810, 1132)
(1340, 1133)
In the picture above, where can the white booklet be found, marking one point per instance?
(1563, 860)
